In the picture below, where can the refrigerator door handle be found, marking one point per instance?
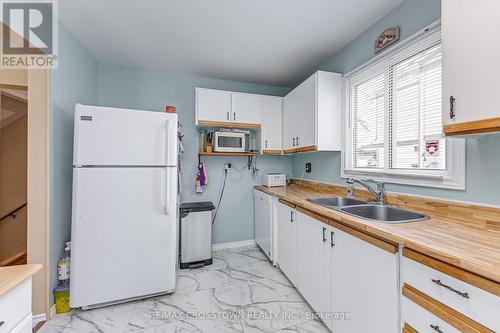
(171, 148)
(167, 191)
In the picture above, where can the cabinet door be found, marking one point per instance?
(313, 263)
(212, 105)
(263, 217)
(271, 124)
(287, 242)
(289, 122)
(305, 115)
(471, 49)
(247, 109)
(364, 284)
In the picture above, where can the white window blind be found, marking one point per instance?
(368, 123)
(417, 141)
(393, 119)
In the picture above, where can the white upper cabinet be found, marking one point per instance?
(231, 109)
(312, 115)
(305, 127)
(289, 120)
(212, 106)
(247, 108)
(271, 125)
(471, 53)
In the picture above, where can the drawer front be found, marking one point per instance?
(480, 305)
(422, 320)
(25, 326)
(15, 306)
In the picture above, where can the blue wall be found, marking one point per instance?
(482, 154)
(75, 80)
(152, 90)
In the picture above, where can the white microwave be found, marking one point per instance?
(229, 142)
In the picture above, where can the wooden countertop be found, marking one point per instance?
(462, 235)
(11, 276)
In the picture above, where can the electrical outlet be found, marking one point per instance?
(308, 167)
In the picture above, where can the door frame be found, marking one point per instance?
(37, 81)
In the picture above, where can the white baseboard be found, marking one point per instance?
(52, 310)
(232, 245)
(39, 318)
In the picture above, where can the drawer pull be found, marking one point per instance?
(439, 283)
(436, 328)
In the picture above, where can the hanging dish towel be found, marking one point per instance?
(202, 172)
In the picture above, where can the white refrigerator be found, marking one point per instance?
(124, 218)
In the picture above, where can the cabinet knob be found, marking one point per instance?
(297, 141)
(293, 142)
(452, 107)
(234, 115)
(324, 236)
(291, 216)
(266, 143)
(332, 239)
(227, 116)
(1, 323)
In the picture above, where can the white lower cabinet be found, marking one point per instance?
(452, 291)
(25, 326)
(287, 242)
(364, 286)
(350, 282)
(15, 308)
(421, 320)
(313, 258)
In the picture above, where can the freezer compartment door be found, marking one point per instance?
(111, 137)
(124, 233)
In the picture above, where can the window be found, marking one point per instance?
(393, 119)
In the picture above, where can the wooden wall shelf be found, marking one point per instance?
(208, 123)
(251, 156)
(226, 154)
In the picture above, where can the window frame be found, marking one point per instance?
(454, 175)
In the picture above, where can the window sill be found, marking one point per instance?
(405, 178)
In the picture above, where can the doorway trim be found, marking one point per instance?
(37, 81)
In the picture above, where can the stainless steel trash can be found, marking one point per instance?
(196, 234)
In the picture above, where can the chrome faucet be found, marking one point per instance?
(379, 193)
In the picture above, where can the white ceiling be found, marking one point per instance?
(261, 41)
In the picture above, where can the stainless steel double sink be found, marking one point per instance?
(374, 212)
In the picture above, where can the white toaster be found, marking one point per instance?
(274, 179)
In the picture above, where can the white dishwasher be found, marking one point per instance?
(263, 222)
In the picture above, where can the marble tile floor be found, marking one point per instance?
(240, 292)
